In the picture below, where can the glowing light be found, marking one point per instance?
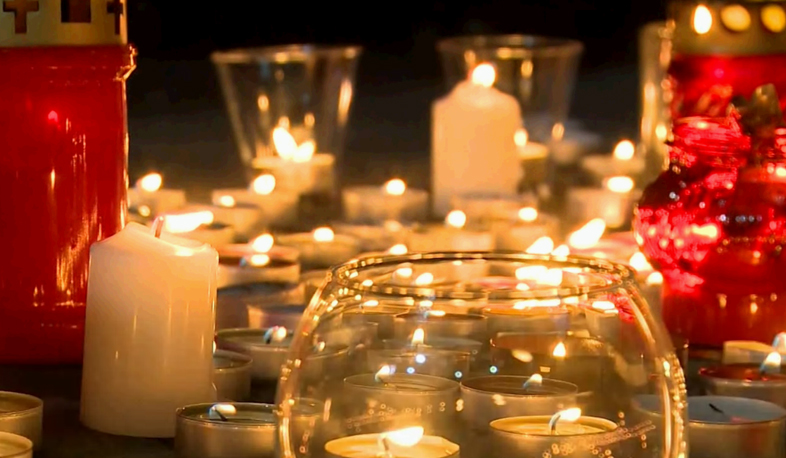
(367, 282)
(639, 262)
(151, 182)
(562, 250)
(263, 243)
(384, 372)
(771, 364)
(530, 272)
(259, 260)
(543, 245)
(559, 351)
(620, 185)
(607, 307)
(275, 334)
(588, 235)
(702, 19)
(735, 17)
(52, 116)
(456, 218)
(263, 184)
(395, 187)
(305, 151)
(436, 313)
(522, 355)
(534, 380)
(552, 277)
(323, 234)
(521, 137)
(418, 337)
(187, 222)
(420, 358)
(404, 272)
(424, 279)
(398, 249)
(773, 17)
(568, 415)
(655, 278)
(221, 411)
(624, 150)
(226, 201)
(144, 210)
(406, 437)
(371, 303)
(779, 342)
(709, 230)
(528, 214)
(284, 142)
(484, 75)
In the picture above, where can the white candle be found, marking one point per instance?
(376, 238)
(274, 207)
(258, 261)
(613, 202)
(451, 236)
(322, 248)
(199, 225)
(296, 167)
(622, 162)
(491, 208)
(392, 201)
(473, 148)
(529, 227)
(14, 446)
(149, 199)
(148, 331)
(372, 446)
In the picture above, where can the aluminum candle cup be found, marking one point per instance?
(745, 381)
(380, 315)
(368, 446)
(442, 325)
(235, 302)
(15, 446)
(457, 344)
(21, 414)
(238, 270)
(231, 375)
(321, 254)
(493, 397)
(263, 317)
(374, 403)
(532, 319)
(449, 364)
(376, 204)
(530, 436)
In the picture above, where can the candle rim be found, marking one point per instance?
(372, 439)
(425, 318)
(717, 375)
(432, 385)
(150, 242)
(25, 445)
(31, 404)
(472, 385)
(607, 426)
(237, 361)
(194, 413)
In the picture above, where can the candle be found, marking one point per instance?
(488, 398)
(454, 235)
(149, 199)
(473, 148)
(297, 168)
(527, 316)
(231, 375)
(15, 446)
(321, 248)
(449, 364)
(576, 142)
(271, 207)
(375, 238)
(490, 208)
(603, 320)
(360, 336)
(243, 218)
(623, 161)
(257, 262)
(393, 201)
(613, 202)
(393, 444)
(765, 381)
(441, 324)
(529, 226)
(533, 157)
(21, 414)
(148, 331)
(421, 340)
(236, 306)
(199, 225)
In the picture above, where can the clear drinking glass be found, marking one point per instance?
(303, 90)
(482, 355)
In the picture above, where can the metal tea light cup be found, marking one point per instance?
(745, 381)
(468, 326)
(22, 414)
(231, 375)
(449, 364)
(588, 437)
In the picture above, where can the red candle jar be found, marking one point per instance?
(715, 224)
(63, 174)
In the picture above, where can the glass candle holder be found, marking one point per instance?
(418, 388)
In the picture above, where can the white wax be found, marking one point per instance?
(277, 209)
(15, 446)
(440, 237)
(473, 150)
(161, 201)
(148, 332)
(615, 208)
(372, 204)
(520, 236)
(321, 254)
(315, 176)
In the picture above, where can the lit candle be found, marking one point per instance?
(21, 414)
(440, 324)
(613, 202)
(454, 235)
(756, 381)
(393, 201)
(489, 209)
(200, 226)
(404, 443)
(375, 237)
(321, 248)
(527, 316)
(271, 206)
(473, 146)
(148, 331)
(297, 167)
(15, 446)
(623, 161)
(529, 226)
(449, 364)
(148, 199)
(258, 261)
(745, 351)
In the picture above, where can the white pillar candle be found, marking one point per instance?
(322, 248)
(473, 148)
(149, 199)
(148, 331)
(275, 207)
(198, 225)
(392, 201)
(451, 236)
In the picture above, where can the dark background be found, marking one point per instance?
(176, 114)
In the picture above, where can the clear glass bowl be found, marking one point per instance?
(482, 355)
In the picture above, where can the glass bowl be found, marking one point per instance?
(482, 355)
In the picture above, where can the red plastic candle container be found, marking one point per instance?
(715, 223)
(63, 180)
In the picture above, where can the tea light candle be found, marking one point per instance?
(267, 316)
(422, 341)
(491, 208)
(231, 375)
(454, 235)
(243, 218)
(764, 382)
(21, 414)
(271, 207)
(449, 364)
(226, 429)
(373, 312)
(259, 267)
(603, 320)
(147, 292)
(15, 446)
(296, 167)
(393, 201)
(376, 238)
(322, 248)
(268, 348)
(488, 398)
(148, 197)
(440, 324)
(623, 161)
(613, 202)
(473, 138)
(392, 444)
(237, 305)
(199, 225)
(529, 226)
(745, 351)
(527, 316)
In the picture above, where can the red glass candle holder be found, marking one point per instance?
(715, 223)
(63, 180)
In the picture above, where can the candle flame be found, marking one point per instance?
(217, 411)
(528, 214)
(418, 337)
(406, 437)
(436, 313)
(534, 380)
(551, 277)
(151, 182)
(424, 279)
(144, 210)
(559, 351)
(562, 250)
(639, 262)
(395, 187)
(543, 245)
(772, 363)
(624, 150)
(324, 234)
(226, 201)
(484, 75)
(384, 372)
(187, 222)
(530, 272)
(570, 415)
(263, 243)
(588, 235)
(398, 249)
(456, 218)
(655, 278)
(284, 142)
(702, 19)
(521, 137)
(263, 184)
(620, 185)
(259, 260)
(305, 151)
(605, 307)
(404, 272)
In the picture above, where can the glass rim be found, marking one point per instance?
(524, 45)
(284, 53)
(341, 275)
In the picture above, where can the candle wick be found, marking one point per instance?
(717, 409)
(385, 445)
(553, 423)
(158, 226)
(220, 415)
(268, 337)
